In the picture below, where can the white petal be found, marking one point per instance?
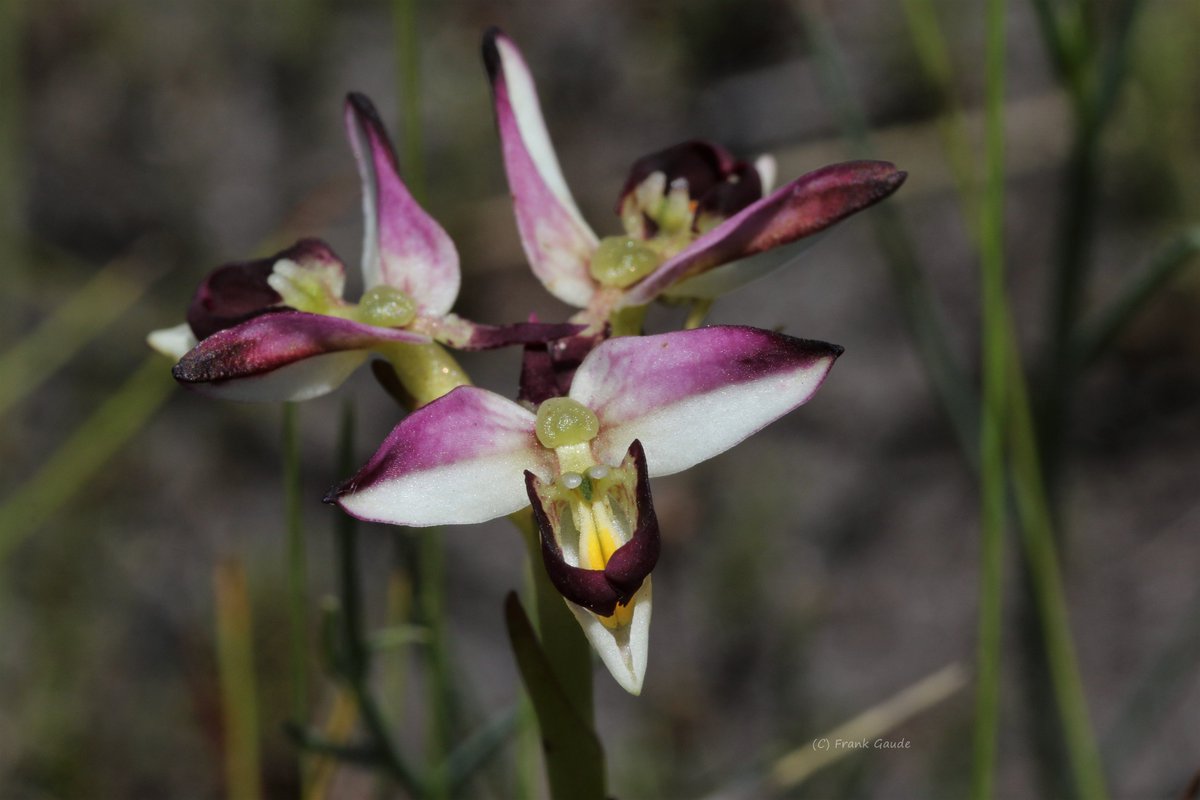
(172, 342)
(461, 459)
(623, 651)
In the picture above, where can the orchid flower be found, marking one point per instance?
(637, 407)
(696, 220)
(279, 328)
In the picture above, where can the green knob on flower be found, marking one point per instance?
(621, 261)
(562, 422)
(387, 307)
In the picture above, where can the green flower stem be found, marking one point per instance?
(432, 596)
(355, 667)
(565, 645)
(239, 695)
(297, 574)
(426, 371)
(991, 467)
(574, 756)
(563, 703)
(1041, 556)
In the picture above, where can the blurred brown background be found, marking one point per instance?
(808, 575)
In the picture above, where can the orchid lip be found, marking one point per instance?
(600, 591)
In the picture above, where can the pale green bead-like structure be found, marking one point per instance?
(622, 261)
(387, 307)
(563, 422)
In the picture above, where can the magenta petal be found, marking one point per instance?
(458, 460)
(557, 241)
(807, 205)
(690, 395)
(403, 246)
(277, 340)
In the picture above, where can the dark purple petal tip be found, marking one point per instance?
(235, 292)
(276, 339)
(583, 587)
(491, 56)
(635, 559)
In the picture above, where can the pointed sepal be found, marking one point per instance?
(557, 240)
(806, 206)
(403, 246)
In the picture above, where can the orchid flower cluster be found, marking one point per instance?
(601, 407)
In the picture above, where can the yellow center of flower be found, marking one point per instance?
(601, 529)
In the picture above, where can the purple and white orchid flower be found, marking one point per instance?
(637, 407)
(696, 220)
(279, 328)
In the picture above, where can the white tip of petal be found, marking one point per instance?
(172, 342)
(623, 651)
(766, 168)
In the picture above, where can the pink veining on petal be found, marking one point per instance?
(276, 339)
(807, 205)
(557, 241)
(403, 246)
(458, 460)
(689, 395)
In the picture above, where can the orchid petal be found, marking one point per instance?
(624, 650)
(172, 342)
(557, 241)
(724, 279)
(767, 169)
(403, 246)
(235, 292)
(809, 204)
(458, 460)
(268, 344)
(690, 395)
